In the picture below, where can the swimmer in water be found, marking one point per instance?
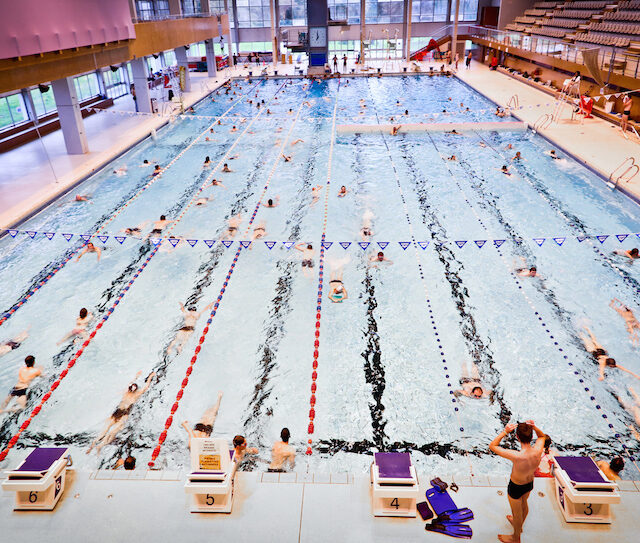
(452, 158)
(600, 355)
(117, 420)
(500, 112)
(83, 198)
(509, 146)
(232, 228)
(297, 141)
(233, 129)
(13, 344)
(145, 164)
(343, 192)
(226, 168)
(395, 129)
(120, 171)
(190, 317)
(482, 144)
(156, 170)
(90, 248)
(530, 272)
(307, 258)
(505, 171)
(630, 320)
(366, 232)
(272, 203)
(287, 158)
(19, 392)
(315, 194)
(337, 291)
(207, 162)
(259, 231)
(472, 386)
(552, 154)
(80, 330)
(203, 201)
(517, 157)
(160, 225)
(203, 428)
(215, 183)
(135, 231)
(375, 260)
(631, 254)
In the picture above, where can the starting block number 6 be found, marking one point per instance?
(33, 497)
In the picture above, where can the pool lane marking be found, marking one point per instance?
(153, 179)
(544, 325)
(316, 342)
(440, 346)
(625, 277)
(163, 435)
(121, 295)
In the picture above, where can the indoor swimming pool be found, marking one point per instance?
(392, 354)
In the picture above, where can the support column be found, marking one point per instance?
(181, 57)
(31, 107)
(175, 7)
(362, 29)
(454, 35)
(75, 138)
(141, 85)
(234, 34)
(275, 46)
(211, 58)
(406, 29)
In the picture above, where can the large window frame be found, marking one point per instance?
(87, 86)
(13, 111)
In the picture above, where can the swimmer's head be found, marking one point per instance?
(552, 152)
(518, 154)
(616, 464)
(207, 159)
(524, 432)
(610, 362)
(163, 217)
(129, 463)
(145, 161)
(90, 245)
(309, 246)
(504, 168)
(270, 202)
(157, 167)
(343, 188)
(285, 435)
(547, 443)
(634, 252)
(203, 428)
(83, 312)
(192, 308)
(477, 392)
(533, 270)
(239, 441)
(29, 361)
(406, 112)
(133, 387)
(380, 256)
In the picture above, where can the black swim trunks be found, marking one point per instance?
(517, 491)
(598, 353)
(12, 344)
(307, 263)
(17, 392)
(119, 413)
(186, 329)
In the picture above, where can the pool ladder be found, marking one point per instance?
(514, 102)
(544, 121)
(627, 174)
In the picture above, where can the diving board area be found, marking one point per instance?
(506, 126)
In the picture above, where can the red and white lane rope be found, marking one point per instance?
(242, 245)
(153, 179)
(78, 354)
(316, 342)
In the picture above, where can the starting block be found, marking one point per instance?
(39, 480)
(582, 490)
(395, 486)
(211, 480)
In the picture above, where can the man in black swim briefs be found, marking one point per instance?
(525, 462)
(204, 428)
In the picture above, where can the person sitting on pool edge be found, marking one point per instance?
(471, 383)
(204, 427)
(600, 355)
(612, 469)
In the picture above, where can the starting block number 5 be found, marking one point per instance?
(210, 499)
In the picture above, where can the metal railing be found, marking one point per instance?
(544, 121)
(627, 174)
(613, 59)
(161, 17)
(514, 102)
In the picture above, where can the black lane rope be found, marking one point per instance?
(545, 326)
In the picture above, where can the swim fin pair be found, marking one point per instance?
(455, 516)
(459, 531)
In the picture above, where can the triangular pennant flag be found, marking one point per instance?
(327, 244)
(119, 239)
(480, 242)
(404, 244)
(156, 241)
(103, 239)
(498, 242)
(245, 244)
(209, 243)
(601, 238)
(622, 237)
(461, 244)
(364, 244)
(13, 233)
(559, 241)
(85, 237)
(288, 244)
(270, 244)
(174, 241)
(345, 244)
(423, 244)
(32, 233)
(192, 242)
(49, 235)
(382, 244)
(67, 236)
(581, 238)
(539, 241)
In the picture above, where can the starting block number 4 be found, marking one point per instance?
(396, 504)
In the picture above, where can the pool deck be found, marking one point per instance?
(291, 507)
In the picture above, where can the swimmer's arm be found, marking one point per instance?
(298, 246)
(98, 253)
(388, 260)
(495, 447)
(541, 436)
(148, 382)
(345, 294)
(628, 371)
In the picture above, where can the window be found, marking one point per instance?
(115, 83)
(170, 58)
(345, 10)
(253, 13)
(12, 111)
(293, 13)
(216, 6)
(468, 10)
(426, 11)
(43, 101)
(383, 11)
(190, 7)
(153, 64)
(87, 86)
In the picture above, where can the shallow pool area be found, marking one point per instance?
(391, 356)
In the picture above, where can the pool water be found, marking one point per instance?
(391, 355)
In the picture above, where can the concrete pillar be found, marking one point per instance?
(211, 58)
(132, 9)
(275, 47)
(175, 7)
(141, 85)
(31, 107)
(181, 57)
(234, 34)
(454, 35)
(362, 29)
(75, 138)
(406, 29)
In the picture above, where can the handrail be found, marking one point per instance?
(514, 102)
(544, 121)
(613, 183)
